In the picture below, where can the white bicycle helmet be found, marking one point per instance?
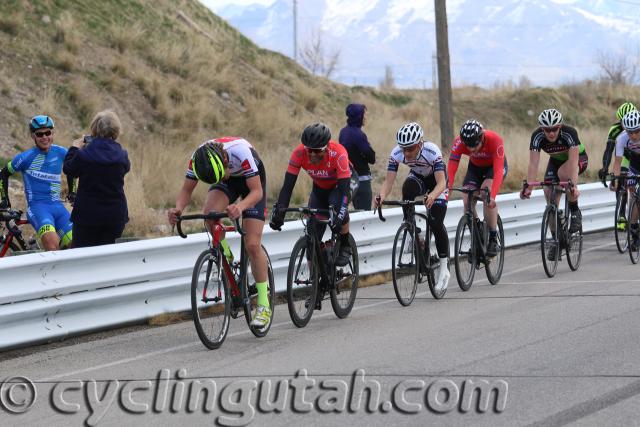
(549, 118)
(409, 134)
(631, 121)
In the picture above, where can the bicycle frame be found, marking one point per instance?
(13, 231)
(564, 185)
(471, 213)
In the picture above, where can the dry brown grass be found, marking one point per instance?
(124, 35)
(66, 32)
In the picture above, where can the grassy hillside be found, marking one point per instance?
(177, 75)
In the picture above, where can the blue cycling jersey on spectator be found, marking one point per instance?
(41, 173)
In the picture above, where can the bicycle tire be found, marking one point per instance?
(433, 264)
(621, 234)
(574, 248)
(250, 294)
(465, 257)
(405, 271)
(495, 266)
(211, 330)
(634, 252)
(301, 300)
(547, 240)
(345, 283)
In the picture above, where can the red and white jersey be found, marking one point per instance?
(243, 158)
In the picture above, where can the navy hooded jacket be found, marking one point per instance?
(100, 166)
(355, 141)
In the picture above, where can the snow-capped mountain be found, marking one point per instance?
(548, 41)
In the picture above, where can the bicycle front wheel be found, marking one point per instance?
(251, 298)
(210, 300)
(621, 222)
(549, 243)
(302, 282)
(634, 247)
(433, 264)
(405, 264)
(465, 253)
(495, 265)
(345, 283)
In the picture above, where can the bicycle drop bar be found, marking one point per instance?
(212, 216)
(398, 203)
(487, 198)
(306, 210)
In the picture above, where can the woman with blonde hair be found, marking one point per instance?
(99, 161)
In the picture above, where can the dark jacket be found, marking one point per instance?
(355, 140)
(100, 166)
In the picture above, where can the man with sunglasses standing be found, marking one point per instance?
(327, 163)
(567, 159)
(41, 168)
(427, 174)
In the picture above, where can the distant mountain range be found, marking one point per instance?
(548, 41)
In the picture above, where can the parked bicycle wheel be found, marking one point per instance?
(404, 267)
(465, 253)
(210, 300)
(302, 282)
(251, 290)
(345, 283)
(495, 265)
(634, 247)
(433, 265)
(574, 249)
(549, 242)
(620, 223)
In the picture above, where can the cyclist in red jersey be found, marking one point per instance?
(327, 163)
(487, 168)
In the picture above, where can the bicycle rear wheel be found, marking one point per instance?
(302, 282)
(210, 300)
(549, 243)
(465, 253)
(574, 248)
(619, 226)
(634, 247)
(345, 283)
(251, 295)
(433, 264)
(405, 264)
(495, 265)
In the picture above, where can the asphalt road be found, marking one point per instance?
(554, 351)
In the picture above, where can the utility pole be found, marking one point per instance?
(295, 30)
(444, 75)
(434, 71)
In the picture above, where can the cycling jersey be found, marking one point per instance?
(426, 163)
(41, 172)
(325, 175)
(490, 154)
(559, 149)
(243, 159)
(627, 147)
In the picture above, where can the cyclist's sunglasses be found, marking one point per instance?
(41, 134)
(551, 129)
(315, 150)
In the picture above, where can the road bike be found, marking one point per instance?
(313, 272)
(472, 238)
(220, 287)
(555, 226)
(620, 225)
(413, 257)
(11, 239)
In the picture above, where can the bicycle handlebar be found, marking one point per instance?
(213, 216)
(10, 214)
(487, 198)
(396, 203)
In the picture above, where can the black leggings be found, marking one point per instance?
(410, 190)
(84, 236)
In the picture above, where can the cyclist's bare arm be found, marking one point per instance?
(387, 185)
(182, 200)
(255, 194)
(534, 160)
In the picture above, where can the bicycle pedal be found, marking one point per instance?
(235, 312)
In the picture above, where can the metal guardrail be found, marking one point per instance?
(51, 295)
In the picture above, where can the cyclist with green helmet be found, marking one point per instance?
(238, 187)
(41, 168)
(614, 131)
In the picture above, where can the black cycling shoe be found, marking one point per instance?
(551, 253)
(576, 222)
(492, 247)
(343, 256)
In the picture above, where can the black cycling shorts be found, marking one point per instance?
(554, 164)
(235, 187)
(477, 174)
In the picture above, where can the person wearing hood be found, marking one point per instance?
(360, 152)
(100, 209)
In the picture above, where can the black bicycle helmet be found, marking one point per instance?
(316, 135)
(207, 162)
(471, 133)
